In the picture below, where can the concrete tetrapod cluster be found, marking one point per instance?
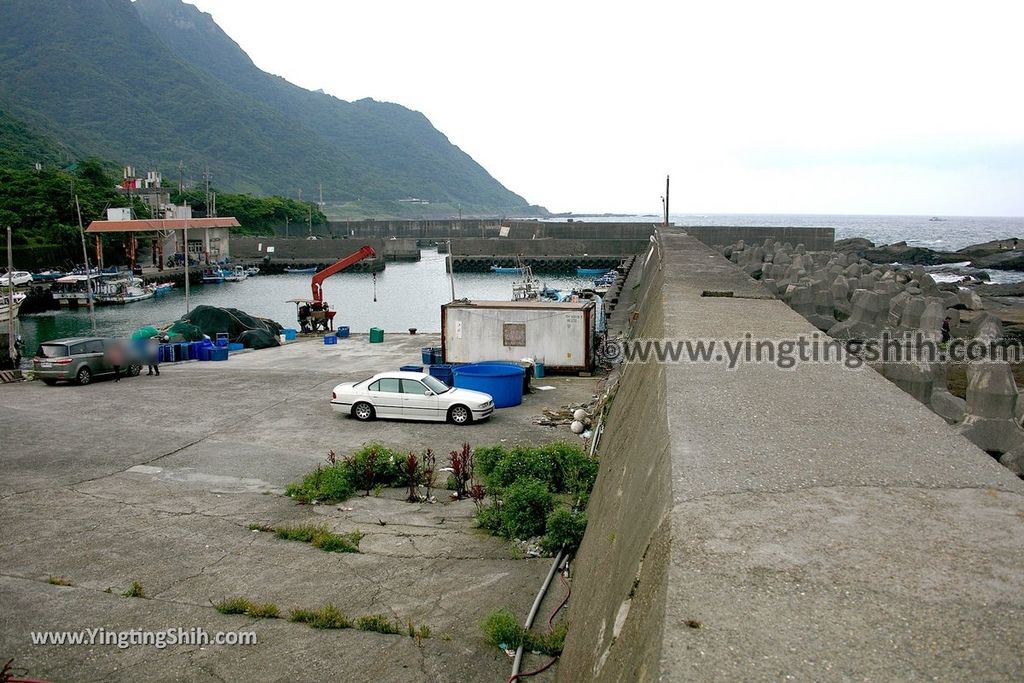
(854, 299)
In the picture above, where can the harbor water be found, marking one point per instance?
(405, 295)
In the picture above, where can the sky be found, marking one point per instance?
(897, 107)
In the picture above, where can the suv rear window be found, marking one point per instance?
(53, 350)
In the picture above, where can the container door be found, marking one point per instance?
(386, 396)
(419, 402)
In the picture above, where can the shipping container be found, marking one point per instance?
(560, 335)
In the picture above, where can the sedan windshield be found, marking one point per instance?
(436, 385)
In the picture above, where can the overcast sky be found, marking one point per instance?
(892, 107)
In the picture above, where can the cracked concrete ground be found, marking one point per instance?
(157, 479)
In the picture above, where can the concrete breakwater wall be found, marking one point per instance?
(293, 251)
(760, 523)
(551, 254)
(813, 239)
(514, 229)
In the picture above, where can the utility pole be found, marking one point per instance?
(207, 177)
(181, 177)
(321, 205)
(666, 202)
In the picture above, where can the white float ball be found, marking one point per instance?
(579, 415)
(576, 427)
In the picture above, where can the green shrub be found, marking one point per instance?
(134, 591)
(378, 623)
(518, 463)
(300, 532)
(486, 457)
(546, 643)
(501, 629)
(330, 484)
(375, 465)
(489, 518)
(525, 507)
(302, 616)
(564, 528)
(572, 469)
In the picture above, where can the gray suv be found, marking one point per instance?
(80, 359)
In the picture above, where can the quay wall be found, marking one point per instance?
(548, 247)
(762, 524)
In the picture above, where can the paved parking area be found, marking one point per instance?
(156, 480)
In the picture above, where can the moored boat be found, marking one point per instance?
(300, 270)
(9, 305)
(122, 290)
(505, 269)
(590, 272)
(236, 275)
(73, 290)
(213, 275)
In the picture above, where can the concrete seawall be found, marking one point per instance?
(759, 524)
(297, 249)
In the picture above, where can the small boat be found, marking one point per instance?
(236, 275)
(159, 288)
(213, 275)
(590, 272)
(300, 270)
(47, 276)
(122, 290)
(252, 270)
(9, 309)
(507, 269)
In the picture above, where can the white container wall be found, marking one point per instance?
(560, 335)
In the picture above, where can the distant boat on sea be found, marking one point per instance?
(936, 219)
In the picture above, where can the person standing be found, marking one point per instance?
(153, 352)
(115, 356)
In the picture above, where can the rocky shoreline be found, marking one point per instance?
(1006, 254)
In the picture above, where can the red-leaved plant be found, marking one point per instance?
(462, 469)
(412, 476)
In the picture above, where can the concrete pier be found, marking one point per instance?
(764, 524)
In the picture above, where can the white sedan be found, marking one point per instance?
(410, 396)
(20, 277)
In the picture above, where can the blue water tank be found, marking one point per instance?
(503, 382)
(219, 353)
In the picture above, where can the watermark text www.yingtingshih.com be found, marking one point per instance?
(786, 354)
(159, 639)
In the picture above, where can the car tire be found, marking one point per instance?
(460, 415)
(83, 376)
(363, 411)
(49, 382)
(134, 369)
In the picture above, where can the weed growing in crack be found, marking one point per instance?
(502, 629)
(257, 526)
(245, 606)
(58, 581)
(320, 537)
(378, 623)
(134, 591)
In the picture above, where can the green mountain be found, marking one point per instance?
(157, 82)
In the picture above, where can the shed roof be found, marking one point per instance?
(162, 224)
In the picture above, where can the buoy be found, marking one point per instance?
(579, 415)
(576, 427)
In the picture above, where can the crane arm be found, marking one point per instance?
(365, 251)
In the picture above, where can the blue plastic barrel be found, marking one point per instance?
(235, 346)
(538, 369)
(438, 355)
(290, 333)
(442, 371)
(343, 331)
(195, 350)
(181, 351)
(503, 382)
(330, 339)
(428, 355)
(204, 352)
(219, 353)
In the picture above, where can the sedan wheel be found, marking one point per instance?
(362, 411)
(460, 415)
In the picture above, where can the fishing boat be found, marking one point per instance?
(159, 288)
(590, 272)
(516, 270)
(122, 289)
(73, 290)
(236, 275)
(252, 270)
(300, 270)
(213, 275)
(9, 306)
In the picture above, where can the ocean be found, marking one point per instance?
(410, 294)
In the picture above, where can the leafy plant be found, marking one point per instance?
(461, 463)
(320, 537)
(525, 508)
(501, 629)
(565, 528)
(429, 464)
(327, 617)
(58, 581)
(245, 606)
(477, 492)
(412, 476)
(489, 518)
(330, 484)
(375, 464)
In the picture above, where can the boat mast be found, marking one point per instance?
(88, 270)
(185, 237)
(10, 298)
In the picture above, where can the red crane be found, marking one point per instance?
(314, 313)
(366, 251)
